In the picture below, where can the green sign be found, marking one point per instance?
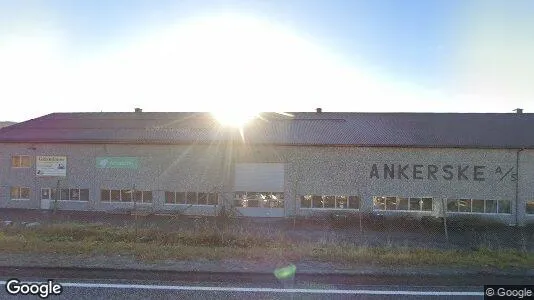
(117, 162)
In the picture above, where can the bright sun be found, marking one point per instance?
(236, 118)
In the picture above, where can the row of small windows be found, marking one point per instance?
(65, 194)
(126, 196)
(332, 202)
(275, 200)
(479, 206)
(192, 198)
(403, 203)
(259, 199)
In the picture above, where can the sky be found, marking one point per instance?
(278, 55)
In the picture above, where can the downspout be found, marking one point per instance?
(517, 187)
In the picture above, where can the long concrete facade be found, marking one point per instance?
(387, 179)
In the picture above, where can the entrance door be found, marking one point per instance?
(259, 189)
(45, 198)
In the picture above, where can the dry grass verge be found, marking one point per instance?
(215, 244)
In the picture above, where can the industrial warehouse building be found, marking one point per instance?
(279, 165)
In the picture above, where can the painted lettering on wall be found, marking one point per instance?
(458, 172)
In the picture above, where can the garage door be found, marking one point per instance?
(258, 177)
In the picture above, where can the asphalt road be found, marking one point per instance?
(114, 284)
(114, 290)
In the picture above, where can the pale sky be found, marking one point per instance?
(279, 55)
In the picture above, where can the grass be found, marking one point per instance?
(151, 244)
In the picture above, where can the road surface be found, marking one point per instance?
(114, 284)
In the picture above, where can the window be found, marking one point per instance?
(354, 202)
(330, 202)
(170, 197)
(305, 201)
(402, 203)
(45, 194)
(202, 198)
(115, 195)
(180, 198)
(452, 205)
(66, 194)
(415, 203)
(175, 197)
(341, 201)
(317, 201)
(20, 193)
(125, 195)
(464, 205)
(105, 195)
(147, 196)
(138, 196)
(191, 198)
(504, 207)
(20, 161)
(391, 203)
(259, 199)
(426, 204)
(491, 206)
(142, 196)
(74, 194)
(84, 194)
(379, 203)
(213, 199)
(530, 207)
(477, 206)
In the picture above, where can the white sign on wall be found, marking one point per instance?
(51, 166)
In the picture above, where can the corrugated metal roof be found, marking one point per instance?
(475, 130)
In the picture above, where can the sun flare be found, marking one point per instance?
(234, 118)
